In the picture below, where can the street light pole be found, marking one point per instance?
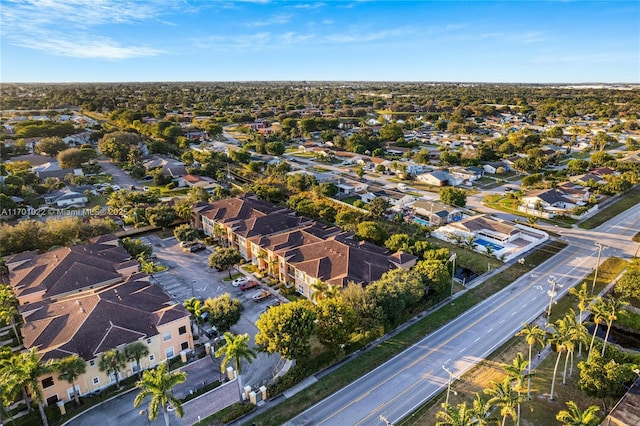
(193, 294)
(453, 270)
(446, 401)
(595, 276)
(552, 293)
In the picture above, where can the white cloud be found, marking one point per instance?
(68, 28)
(310, 5)
(273, 20)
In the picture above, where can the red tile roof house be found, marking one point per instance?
(90, 298)
(295, 250)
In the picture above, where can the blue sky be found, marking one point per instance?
(190, 40)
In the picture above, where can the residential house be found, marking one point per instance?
(53, 170)
(437, 214)
(199, 182)
(436, 178)
(547, 200)
(170, 167)
(347, 187)
(492, 167)
(469, 174)
(395, 198)
(66, 197)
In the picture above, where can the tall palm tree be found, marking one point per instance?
(236, 349)
(518, 371)
(576, 417)
(69, 369)
(481, 411)
(596, 309)
(558, 339)
(610, 310)
(13, 376)
(567, 327)
(158, 384)
(504, 396)
(9, 309)
(532, 334)
(111, 362)
(134, 352)
(584, 300)
(460, 415)
(33, 369)
(333, 292)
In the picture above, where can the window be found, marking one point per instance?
(96, 380)
(134, 367)
(182, 330)
(184, 346)
(166, 336)
(148, 341)
(168, 353)
(92, 363)
(152, 358)
(48, 382)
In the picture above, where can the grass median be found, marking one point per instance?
(393, 346)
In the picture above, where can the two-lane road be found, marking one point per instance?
(397, 387)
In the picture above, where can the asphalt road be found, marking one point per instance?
(402, 384)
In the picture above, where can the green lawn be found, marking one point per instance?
(627, 201)
(393, 346)
(510, 205)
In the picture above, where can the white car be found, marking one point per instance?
(239, 281)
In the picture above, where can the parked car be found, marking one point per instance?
(184, 244)
(194, 248)
(239, 281)
(263, 295)
(247, 285)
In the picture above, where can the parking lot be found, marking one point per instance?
(189, 275)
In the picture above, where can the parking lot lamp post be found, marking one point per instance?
(193, 294)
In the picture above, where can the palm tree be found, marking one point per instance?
(134, 352)
(481, 411)
(460, 415)
(33, 370)
(584, 300)
(159, 383)
(559, 339)
(111, 362)
(319, 289)
(333, 292)
(598, 318)
(532, 334)
(575, 417)
(567, 327)
(518, 371)
(236, 349)
(69, 369)
(469, 242)
(9, 309)
(194, 306)
(610, 309)
(13, 376)
(503, 395)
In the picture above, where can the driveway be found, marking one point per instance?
(120, 177)
(189, 275)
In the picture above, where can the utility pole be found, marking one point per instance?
(453, 270)
(595, 276)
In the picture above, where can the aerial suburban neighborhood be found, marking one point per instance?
(301, 238)
(267, 213)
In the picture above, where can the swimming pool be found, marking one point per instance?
(486, 243)
(421, 221)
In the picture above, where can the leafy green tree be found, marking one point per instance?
(398, 242)
(453, 197)
(111, 362)
(197, 193)
(50, 146)
(185, 232)
(584, 300)
(378, 207)
(161, 215)
(194, 307)
(158, 384)
(136, 248)
(391, 132)
(371, 231)
(576, 417)
(396, 292)
(435, 275)
(9, 308)
(73, 158)
(224, 311)
(604, 380)
(286, 329)
(224, 259)
(275, 148)
(577, 166)
(69, 369)
(628, 286)
(370, 316)
(335, 322)
(118, 145)
(27, 371)
(134, 352)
